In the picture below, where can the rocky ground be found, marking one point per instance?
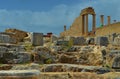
(76, 58)
(57, 71)
(77, 75)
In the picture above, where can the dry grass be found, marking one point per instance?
(17, 77)
(78, 75)
(69, 75)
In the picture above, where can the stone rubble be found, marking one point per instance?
(70, 54)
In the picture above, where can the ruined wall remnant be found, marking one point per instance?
(19, 35)
(108, 29)
(80, 25)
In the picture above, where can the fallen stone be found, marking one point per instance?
(116, 41)
(79, 41)
(37, 39)
(90, 41)
(22, 57)
(43, 55)
(5, 67)
(74, 68)
(116, 62)
(19, 74)
(74, 49)
(19, 35)
(102, 41)
(67, 59)
(32, 66)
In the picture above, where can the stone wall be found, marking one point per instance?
(74, 29)
(108, 29)
(78, 28)
(102, 31)
(80, 24)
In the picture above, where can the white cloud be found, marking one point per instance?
(54, 19)
(107, 8)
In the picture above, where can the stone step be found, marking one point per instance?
(19, 74)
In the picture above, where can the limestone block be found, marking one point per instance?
(61, 42)
(3, 50)
(116, 62)
(19, 74)
(6, 39)
(31, 66)
(114, 53)
(37, 39)
(102, 41)
(22, 57)
(117, 41)
(79, 41)
(17, 34)
(67, 59)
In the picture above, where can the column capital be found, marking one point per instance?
(94, 14)
(86, 15)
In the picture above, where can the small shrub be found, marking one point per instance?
(70, 43)
(28, 46)
(48, 61)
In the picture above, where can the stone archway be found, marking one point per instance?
(84, 20)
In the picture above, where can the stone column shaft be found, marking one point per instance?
(86, 27)
(102, 19)
(64, 27)
(94, 23)
(83, 24)
(108, 17)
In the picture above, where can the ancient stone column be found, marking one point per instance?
(86, 27)
(102, 19)
(64, 27)
(83, 24)
(94, 23)
(108, 18)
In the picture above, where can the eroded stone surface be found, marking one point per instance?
(102, 41)
(19, 74)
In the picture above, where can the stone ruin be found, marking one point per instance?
(101, 36)
(16, 34)
(80, 25)
(37, 39)
(4, 38)
(87, 48)
(13, 54)
(19, 74)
